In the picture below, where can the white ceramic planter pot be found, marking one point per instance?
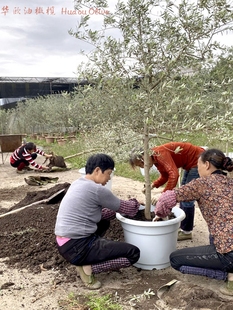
(156, 240)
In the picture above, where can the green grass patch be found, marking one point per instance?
(126, 171)
(89, 302)
(102, 302)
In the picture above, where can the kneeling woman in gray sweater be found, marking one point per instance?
(83, 218)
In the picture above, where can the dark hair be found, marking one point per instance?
(28, 147)
(102, 161)
(218, 159)
(135, 155)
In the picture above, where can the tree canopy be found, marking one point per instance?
(135, 41)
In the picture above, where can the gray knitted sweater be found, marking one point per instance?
(81, 208)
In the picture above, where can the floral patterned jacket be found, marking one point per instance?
(214, 195)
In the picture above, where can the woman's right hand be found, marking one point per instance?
(144, 188)
(155, 198)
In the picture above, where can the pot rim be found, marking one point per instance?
(179, 213)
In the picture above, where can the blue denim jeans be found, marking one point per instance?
(188, 206)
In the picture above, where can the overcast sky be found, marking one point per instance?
(34, 39)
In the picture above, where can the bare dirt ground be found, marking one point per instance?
(33, 275)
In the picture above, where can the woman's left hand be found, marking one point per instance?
(48, 155)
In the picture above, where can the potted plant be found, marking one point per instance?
(61, 141)
(49, 139)
(156, 56)
(142, 75)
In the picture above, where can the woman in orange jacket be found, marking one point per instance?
(168, 158)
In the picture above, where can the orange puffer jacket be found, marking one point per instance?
(169, 157)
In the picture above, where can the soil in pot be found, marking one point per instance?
(140, 216)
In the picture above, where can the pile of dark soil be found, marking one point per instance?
(27, 237)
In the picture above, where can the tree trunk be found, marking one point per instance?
(147, 174)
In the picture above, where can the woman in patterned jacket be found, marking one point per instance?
(214, 193)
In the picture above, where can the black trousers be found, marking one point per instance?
(203, 257)
(95, 249)
(26, 163)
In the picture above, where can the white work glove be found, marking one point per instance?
(157, 218)
(144, 188)
(45, 168)
(155, 198)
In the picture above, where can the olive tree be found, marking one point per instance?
(4, 120)
(221, 89)
(155, 41)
